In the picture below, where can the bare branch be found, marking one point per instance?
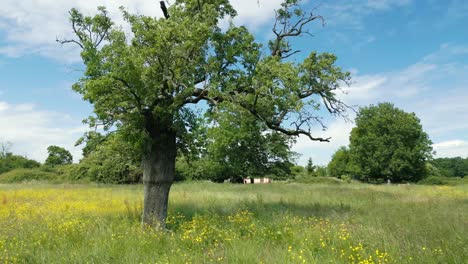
(283, 28)
(65, 41)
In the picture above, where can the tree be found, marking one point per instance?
(388, 143)
(310, 167)
(340, 163)
(112, 160)
(245, 147)
(11, 161)
(143, 84)
(92, 140)
(5, 148)
(452, 167)
(58, 156)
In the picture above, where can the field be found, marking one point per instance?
(227, 223)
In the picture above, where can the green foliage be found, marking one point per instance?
(10, 161)
(243, 147)
(298, 171)
(434, 180)
(92, 140)
(321, 171)
(432, 170)
(144, 84)
(112, 161)
(452, 167)
(58, 156)
(340, 163)
(27, 174)
(201, 169)
(388, 143)
(310, 167)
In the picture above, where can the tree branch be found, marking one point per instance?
(164, 9)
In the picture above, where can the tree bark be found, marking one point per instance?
(158, 176)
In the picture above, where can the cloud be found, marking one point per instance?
(435, 88)
(351, 13)
(31, 26)
(32, 130)
(452, 148)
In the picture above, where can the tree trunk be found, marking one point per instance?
(158, 175)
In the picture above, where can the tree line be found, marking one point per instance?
(386, 144)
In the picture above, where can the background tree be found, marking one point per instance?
(10, 162)
(58, 156)
(452, 167)
(310, 167)
(5, 148)
(340, 163)
(388, 143)
(144, 85)
(112, 160)
(245, 147)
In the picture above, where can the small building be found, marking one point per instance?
(256, 180)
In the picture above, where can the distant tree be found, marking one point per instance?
(112, 160)
(432, 170)
(246, 148)
(58, 156)
(145, 82)
(5, 148)
(11, 161)
(310, 167)
(340, 163)
(297, 171)
(452, 167)
(321, 171)
(388, 143)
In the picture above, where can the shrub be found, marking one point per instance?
(10, 162)
(433, 180)
(25, 175)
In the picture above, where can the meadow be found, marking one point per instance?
(230, 223)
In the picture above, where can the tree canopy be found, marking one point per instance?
(58, 156)
(143, 83)
(340, 164)
(388, 143)
(452, 167)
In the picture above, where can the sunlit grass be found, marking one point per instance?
(276, 223)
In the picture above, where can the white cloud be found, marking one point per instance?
(452, 148)
(31, 26)
(351, 13)
(32, 130)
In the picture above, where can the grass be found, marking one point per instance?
(227, 223)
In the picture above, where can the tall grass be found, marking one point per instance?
(227, 223)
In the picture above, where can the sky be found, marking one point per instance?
(412, 53)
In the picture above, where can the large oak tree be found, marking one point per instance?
(388, 144)
(143, 83)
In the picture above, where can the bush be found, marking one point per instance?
(347, 178)
(10, 162)
(433, 180)
(25, 175)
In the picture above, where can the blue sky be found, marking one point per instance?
(412, 53)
